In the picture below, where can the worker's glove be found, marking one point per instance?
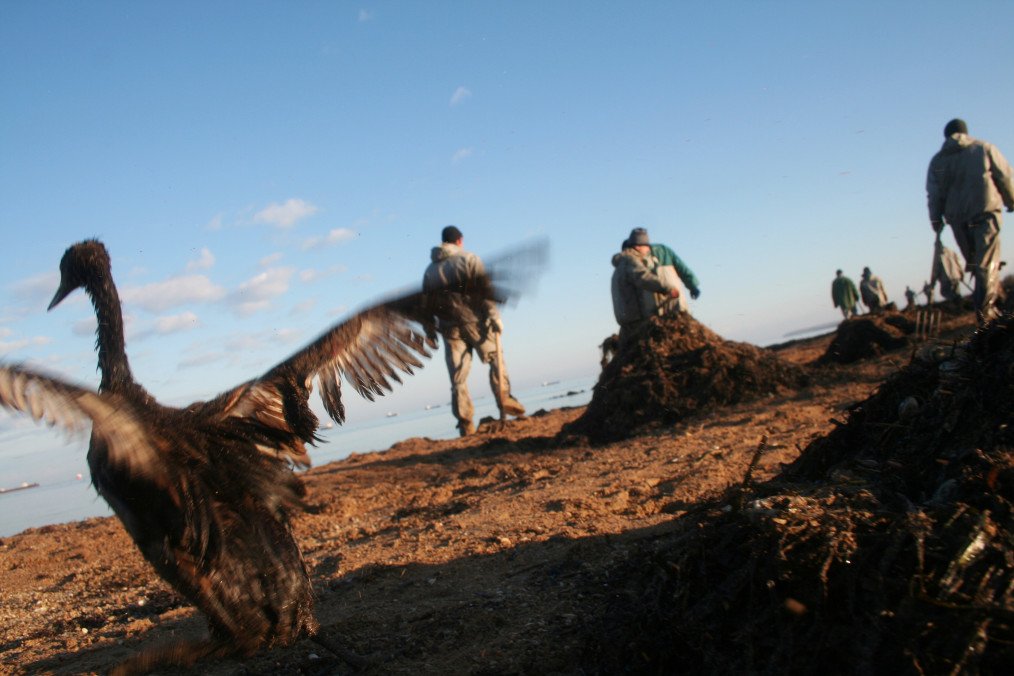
(495, 324)
(938, 226)
(695, 293)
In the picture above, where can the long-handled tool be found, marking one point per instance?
(502, 378)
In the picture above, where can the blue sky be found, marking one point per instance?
(257, 169)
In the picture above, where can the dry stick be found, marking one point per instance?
(502, 378)
(749, 470)
(761, 447)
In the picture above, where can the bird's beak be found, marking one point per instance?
(61, 293)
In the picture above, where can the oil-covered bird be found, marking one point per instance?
(206, 491)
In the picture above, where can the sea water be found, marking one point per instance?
(65, 493)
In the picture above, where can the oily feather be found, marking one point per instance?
(54, 402)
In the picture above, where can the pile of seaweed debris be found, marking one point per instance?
(868, 336)
(672, 368)
(888, 546)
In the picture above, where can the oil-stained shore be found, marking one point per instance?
(532, 549)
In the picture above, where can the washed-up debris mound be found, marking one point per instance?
(868, 336)
(672, 368)
(888, 546)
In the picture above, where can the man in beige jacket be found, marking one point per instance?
(967, 184)
(638, 289)
(469, 327)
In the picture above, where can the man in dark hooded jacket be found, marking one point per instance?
(967, 183)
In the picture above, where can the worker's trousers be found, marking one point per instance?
(459, 342)
(979, 242)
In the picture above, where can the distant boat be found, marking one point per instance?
(547, 383)
(430, 407)
(391, 414)
(22, 487)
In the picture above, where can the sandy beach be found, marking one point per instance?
(494, 553)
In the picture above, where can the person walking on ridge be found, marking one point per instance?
(967, 183)
(844, 295)
(947, 270)
(467, 328)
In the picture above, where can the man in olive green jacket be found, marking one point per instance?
(844, 295)
(967, 183)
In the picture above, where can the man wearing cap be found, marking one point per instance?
(469, 327)
(967, 183)
(639, 292)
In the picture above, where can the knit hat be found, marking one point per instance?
(955, 126)
(450, 234)
(639, 237)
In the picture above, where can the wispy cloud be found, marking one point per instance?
(173, 292)
(365, 15)
(336, 236)
(37, 290)
(311, 275)
(202, 359)
(270, 259)
(460, 95)
(87, 326)
(303, 307)
(84, 327)
(13, 345)
(285, 215)
(215, 223)
(205, 260)
(256, 293)
(461, 154)
(247, 343)
(165, 325)
(286, 336)
(175, 323)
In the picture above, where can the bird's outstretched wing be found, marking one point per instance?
(48, 399)
(369, 350)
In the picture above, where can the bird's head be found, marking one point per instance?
(78, 266)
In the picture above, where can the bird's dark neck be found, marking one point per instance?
(109, 340)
